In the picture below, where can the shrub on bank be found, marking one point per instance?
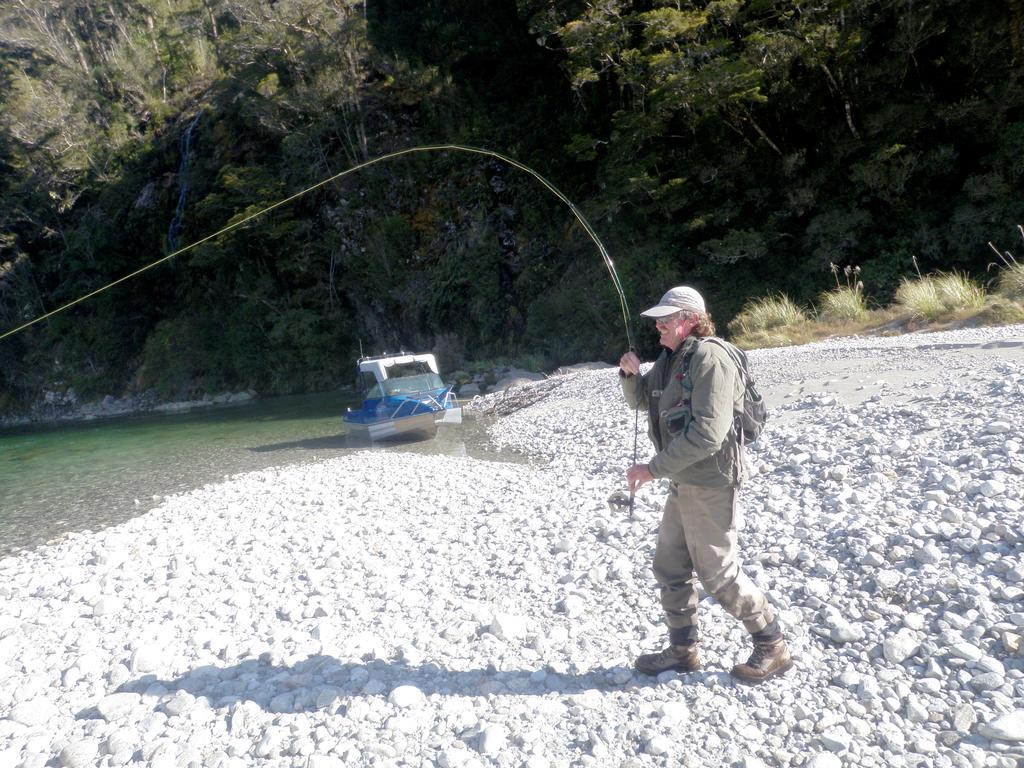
(1010, 284)
(770, 312)
(846, 302)
(842, 304)
(999, 310)
(958, 291)
(941, 294)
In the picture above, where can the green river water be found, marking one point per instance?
(88, 475)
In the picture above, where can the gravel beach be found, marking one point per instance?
(393, 609)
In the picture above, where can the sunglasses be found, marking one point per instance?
(666, 321)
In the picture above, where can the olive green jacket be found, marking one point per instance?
(691, 414)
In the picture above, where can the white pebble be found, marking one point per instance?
(406, 696)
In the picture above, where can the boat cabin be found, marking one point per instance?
(398, 375)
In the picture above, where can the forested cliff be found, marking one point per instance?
(740, 147)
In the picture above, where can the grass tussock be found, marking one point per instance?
(999, 310)
(943, 301)
(934, 296)
(876, 321)
(842, 303)
(1010, 284)
(771, 312)
(887, 321)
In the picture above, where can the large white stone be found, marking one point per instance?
(574, 606)
(179, 704)
(928, 554)
(964, 717)
(1013, 642)
(889, 578)
(79, 753)
(107, 605)
(454, 757)
(402, 724)
(86, 591)
(992, 664)
(147, 658)
(123, 741)
(660, 745)
(91, 665)
(892, 736)
(559, 635)
(508, 626)
(987, 681)
(34, 712)
(901, 646)
(836, 739)
(269, 742)
(493, 739)
(991, 488)
(1008, 727)
(406, 696)
(846, 633)
(117, 706)
(966, 650)
(916, 712)
(674, 710)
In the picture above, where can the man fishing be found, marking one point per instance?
(692, 395)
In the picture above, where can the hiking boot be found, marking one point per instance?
(770, 658)
(680, 658)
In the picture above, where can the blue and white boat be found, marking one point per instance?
(403, 396)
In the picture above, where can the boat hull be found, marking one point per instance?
(420, 425)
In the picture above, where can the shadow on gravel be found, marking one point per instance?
(998, 344)
(318, 682)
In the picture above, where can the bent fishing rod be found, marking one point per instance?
(616, 500)
(609, 264)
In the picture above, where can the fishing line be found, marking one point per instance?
(426, 148)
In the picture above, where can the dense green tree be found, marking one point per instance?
(762, 140)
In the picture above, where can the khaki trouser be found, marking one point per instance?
(697, 540)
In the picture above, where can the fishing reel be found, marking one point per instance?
(620, 500)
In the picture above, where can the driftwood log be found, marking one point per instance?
(516, 398)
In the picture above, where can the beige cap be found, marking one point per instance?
(678, 299)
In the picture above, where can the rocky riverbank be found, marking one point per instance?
(65, 405)
(392, 609)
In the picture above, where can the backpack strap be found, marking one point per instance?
(738, 356)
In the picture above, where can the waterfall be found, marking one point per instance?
(185, 143)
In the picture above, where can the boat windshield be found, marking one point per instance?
(406, 385)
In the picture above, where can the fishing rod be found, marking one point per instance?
(609, 264)
(618, 499)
